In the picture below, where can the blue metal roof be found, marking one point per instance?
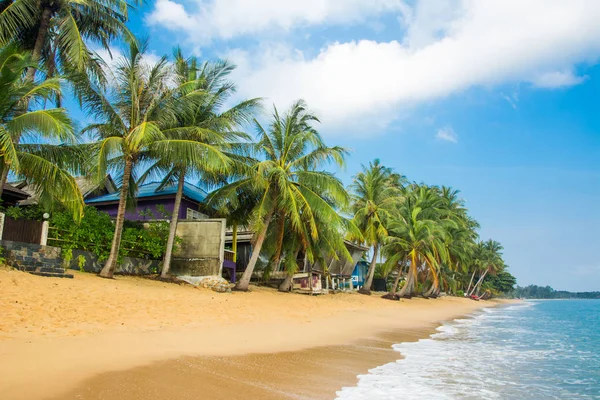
(151, 190)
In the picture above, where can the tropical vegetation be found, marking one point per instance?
(547, 292)
(178, 119)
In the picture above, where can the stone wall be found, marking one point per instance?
(18, 254)
(128, 266)
(202, 247)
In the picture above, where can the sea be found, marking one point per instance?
(534, 350)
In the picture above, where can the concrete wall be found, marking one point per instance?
(201, 250)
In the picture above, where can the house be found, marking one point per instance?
(244, 247)
(151, 198)
(12, 195)
(359, 274)
(88, 187)
(341, 270)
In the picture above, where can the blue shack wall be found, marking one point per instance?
(359, 274)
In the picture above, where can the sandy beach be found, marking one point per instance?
(130, 338)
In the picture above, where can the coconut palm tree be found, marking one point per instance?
(289, 179)
(420, 234)
(133, 112)
(376, 192)
(58, 32)
(201, 141)
(489, 260)
(329, 245)
(43, 165)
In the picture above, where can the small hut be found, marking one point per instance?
(340, 270)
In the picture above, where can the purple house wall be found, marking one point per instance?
(144, 207)
(150, 196)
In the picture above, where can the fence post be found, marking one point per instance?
(44, 238)
(1, 224)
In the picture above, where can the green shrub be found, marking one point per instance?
(460, 293)
(34, 212)
(81, 262)
(95, 232)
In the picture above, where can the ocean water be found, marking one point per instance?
(531, 351)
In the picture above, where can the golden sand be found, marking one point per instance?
(130, 338)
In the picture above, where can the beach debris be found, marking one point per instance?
(215, 283)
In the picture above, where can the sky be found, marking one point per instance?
(498, 98)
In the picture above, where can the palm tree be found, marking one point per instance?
(489, 259)
(57, 32)
(43, 165)
(461, 236)
(132, 113)
(329, 245)
(418, 235)
(289, 179)
(200, 142)
(376, 191)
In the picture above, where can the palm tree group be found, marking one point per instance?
(423, 234)
(177, 119)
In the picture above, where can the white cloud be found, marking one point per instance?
(558, 79)
(205, 19)
(447, 134)
(481, 43)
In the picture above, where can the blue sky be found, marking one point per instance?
(498, 99)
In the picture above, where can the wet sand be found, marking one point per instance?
(315, 373)
(132, 338)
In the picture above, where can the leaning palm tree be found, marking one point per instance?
(132, 113)
(289, 179)
(376, 191)
(44, 162)
(200, 141)
(490, 262)
(58, 32)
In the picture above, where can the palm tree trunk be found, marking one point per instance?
(366, 289)
(111, 263)
(234, 235)
(471, 282)
(436, 282)
(408, 287)
(397, 280)
(478, 286)
(286, 285)
(411, 277)
(479, 282)
(278, 251)
(39, 41)
(243, 283)
(3, 178)
(173, 227)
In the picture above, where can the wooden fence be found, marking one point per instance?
(22, 230)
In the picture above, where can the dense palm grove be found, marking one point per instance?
(177, 120)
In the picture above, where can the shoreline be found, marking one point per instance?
(128, 336)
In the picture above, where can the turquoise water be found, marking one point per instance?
(531, 351)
